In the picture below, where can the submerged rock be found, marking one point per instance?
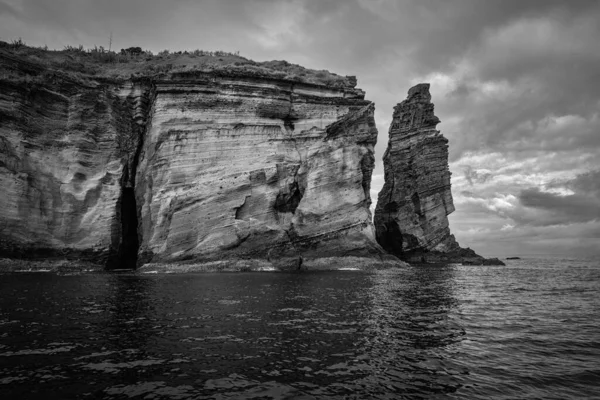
(411, 215)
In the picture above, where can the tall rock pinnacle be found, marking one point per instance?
(411, 214)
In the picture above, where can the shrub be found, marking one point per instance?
(17, 44)
(134, 51)
(74, 49)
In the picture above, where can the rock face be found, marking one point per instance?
(65, 153)
(189, 167)
(255, 168)
(412, 208)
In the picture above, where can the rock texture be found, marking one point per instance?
(65, 153)
(187, 167)
(255, 168)
(412, 208)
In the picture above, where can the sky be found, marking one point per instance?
(515, 83)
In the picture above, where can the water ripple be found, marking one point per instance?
(527, 330)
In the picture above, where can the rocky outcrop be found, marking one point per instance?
(255, 168)
(184, 167)
(412, 208)
(65, 157)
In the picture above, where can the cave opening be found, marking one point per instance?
(128, 250)
(288, 202)
(391, 238)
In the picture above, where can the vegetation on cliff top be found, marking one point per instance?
(83, 65)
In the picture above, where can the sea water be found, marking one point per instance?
(530, 329)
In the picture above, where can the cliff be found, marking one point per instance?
(255, 168)
(412, 208)
(225, 162)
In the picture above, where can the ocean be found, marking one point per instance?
(530, 329)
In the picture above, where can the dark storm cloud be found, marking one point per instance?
(445, 30)
(520, 78)
(588, 183)
(559, 209)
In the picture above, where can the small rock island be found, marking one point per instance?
(412, 208)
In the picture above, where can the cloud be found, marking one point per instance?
(553, 209)
(282, 25)
(576, 239)
(587, 183)
(506, 88)
(559, 203)
(477, 176)
(574, 200)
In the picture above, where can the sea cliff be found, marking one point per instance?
(225, 163)
(255, 168)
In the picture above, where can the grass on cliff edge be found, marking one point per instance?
(84, 64)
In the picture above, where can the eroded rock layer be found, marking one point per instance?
(185, 167)
(256, 168)
(412, 208)
(65, 153)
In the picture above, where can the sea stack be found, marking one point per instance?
(411, 217)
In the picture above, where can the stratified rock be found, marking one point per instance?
(186, 167)
(65, 153)
(236, 167)
(412, 208)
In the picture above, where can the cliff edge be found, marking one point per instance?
(411, 214)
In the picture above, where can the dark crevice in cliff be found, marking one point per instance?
(129, 223)
(288, 202)
(391, 239)
(128, 211)
(367, 163)
(125, 256)
(288, 122)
